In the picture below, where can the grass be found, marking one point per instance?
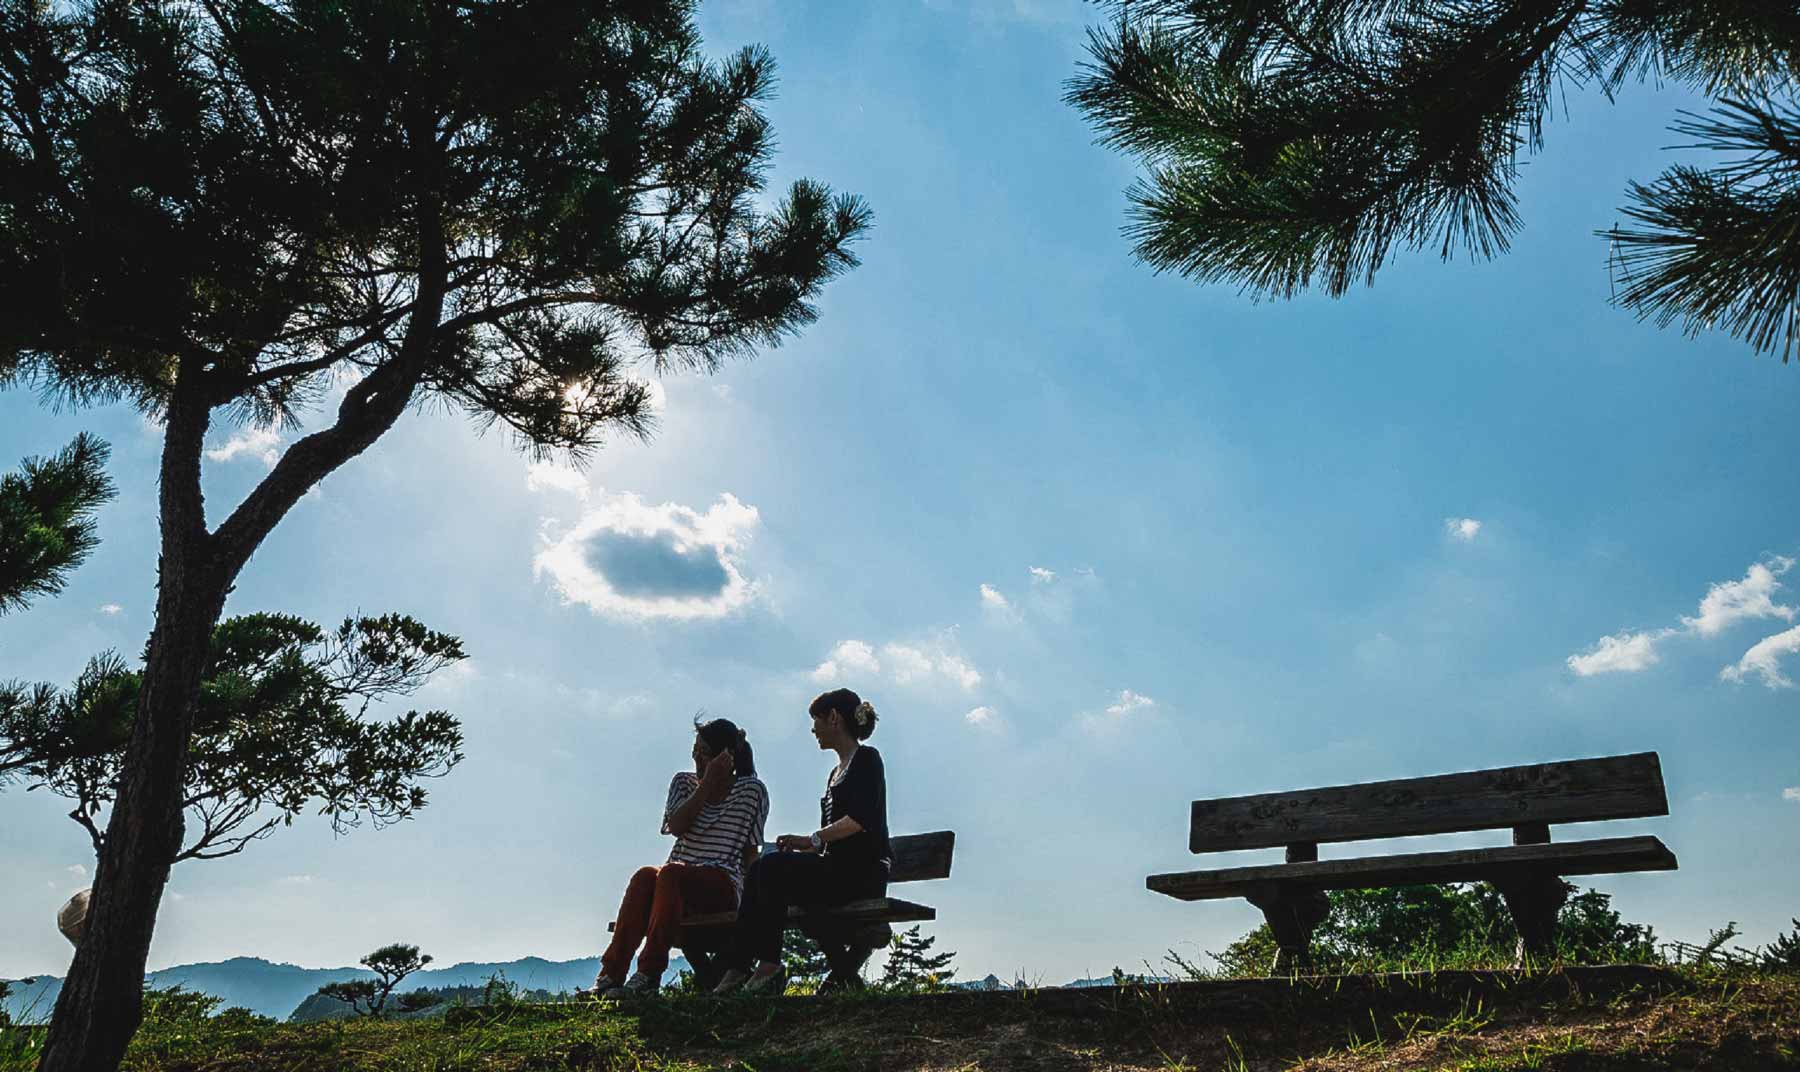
(1605, 1019)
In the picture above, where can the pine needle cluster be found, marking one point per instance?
(47, 513)
(1300, 144)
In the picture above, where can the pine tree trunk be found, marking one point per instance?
(101, 1002)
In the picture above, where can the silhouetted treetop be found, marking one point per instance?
(283, 726)
(272, 194)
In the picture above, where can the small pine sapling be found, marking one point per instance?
(391, 964)
(911, 965)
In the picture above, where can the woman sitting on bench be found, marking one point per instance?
(845, 860)
(717, 814)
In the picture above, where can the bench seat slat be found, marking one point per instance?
(872, 910)
(1572, 791)
(1596, 857)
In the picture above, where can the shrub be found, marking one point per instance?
(1783, 954)
(1409, 927)
(911, 965)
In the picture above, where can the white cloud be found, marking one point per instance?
(983, 717)
(78, 871)
(250, 442)
(1624, 653)
(1764, 659)
(848, 658)
(1729, 602)
(548, 476)
(1792, 792)
(1110, 721)
(111, 610)
(902, 664)
(993, 599)
(1128, 702)
(295, 880)
(627, 559)
(956, 669)
(906, 663)
(1725, 604)
(1040, 575)
(1462, 528)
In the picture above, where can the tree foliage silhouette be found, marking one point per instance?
(802, 958)
(391, 964)
(283, 727)
(47, 519)
(912, 964)
(1406, 927)
(1299, 144)
(269, 211)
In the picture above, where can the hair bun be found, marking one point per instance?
(865, 713)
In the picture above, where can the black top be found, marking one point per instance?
(860, 794)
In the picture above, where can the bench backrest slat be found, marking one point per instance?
(917, 857)
(922, 856)
(1581, 790)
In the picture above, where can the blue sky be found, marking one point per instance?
(1222, 545)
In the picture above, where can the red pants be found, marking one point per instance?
(651, 913)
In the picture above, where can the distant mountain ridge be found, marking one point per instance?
(278, 989)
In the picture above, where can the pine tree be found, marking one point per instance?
(47, 519)
(802, 958)
(912, 965)
(513, 208)
(284, 727)
(391, 964)
(1300, 143)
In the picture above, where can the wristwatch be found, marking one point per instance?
(818, 843)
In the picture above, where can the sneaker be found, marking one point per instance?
(641, 984)
(732, 981)
(604, 984)
(773, 984)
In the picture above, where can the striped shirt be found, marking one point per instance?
(722, 831)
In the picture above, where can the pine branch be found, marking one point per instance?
(47, 525)
(1720, 248)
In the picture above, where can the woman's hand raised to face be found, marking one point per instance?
(715, 781)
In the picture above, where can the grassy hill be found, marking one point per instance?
(1610, 1019)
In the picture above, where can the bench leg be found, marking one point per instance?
(846, 951)
(1292, 916)
(1534, 901)
(708, 968)
(846, 960)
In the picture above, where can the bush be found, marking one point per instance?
(176, 1007)
(912, 966)
(1783, 954)
(1414, 927)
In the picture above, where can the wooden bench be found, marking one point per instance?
(848, 934)
(1528, 873)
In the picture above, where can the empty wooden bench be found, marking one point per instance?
(848, 934)
(1528, 873)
